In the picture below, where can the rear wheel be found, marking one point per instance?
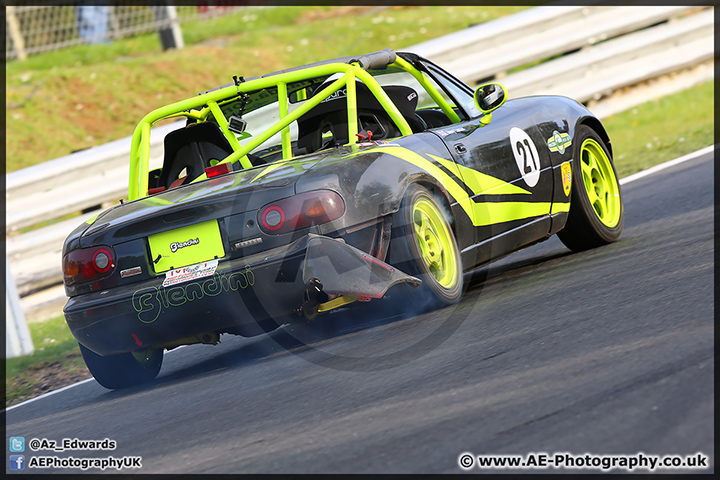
(596, 214)
(423, 245)
(124, 369)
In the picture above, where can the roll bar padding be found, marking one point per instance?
(377, 60)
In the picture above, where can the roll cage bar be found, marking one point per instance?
(201, 107)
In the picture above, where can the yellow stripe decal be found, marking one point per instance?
(480, 183)
(559, 207)
(270, 168)
(490, 213)
(455, 190)
(481, 214)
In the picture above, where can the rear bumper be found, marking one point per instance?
(245, 294)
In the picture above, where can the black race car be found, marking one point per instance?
(305, 190)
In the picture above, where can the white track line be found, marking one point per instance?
(668, 164)
(67, 387)
(631, 178)
(49, 393)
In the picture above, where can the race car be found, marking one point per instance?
(371, 178)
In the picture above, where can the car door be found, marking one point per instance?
(507, 170)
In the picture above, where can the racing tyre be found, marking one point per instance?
(423, 245)
(596, 214)
(125, 369)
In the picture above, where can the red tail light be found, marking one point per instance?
(300, 211)
(88, 264)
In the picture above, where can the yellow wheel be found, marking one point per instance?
(423, 245)
(596, 214)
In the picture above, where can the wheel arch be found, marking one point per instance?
(595, 124)
(440, 194)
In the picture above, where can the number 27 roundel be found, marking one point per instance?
(526, 156)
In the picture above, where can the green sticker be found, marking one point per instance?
(559, 142)
(149, 302)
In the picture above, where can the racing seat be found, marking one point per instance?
(406, 100)
(191, 149)
(326, 124)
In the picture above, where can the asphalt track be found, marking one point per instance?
(609, 351)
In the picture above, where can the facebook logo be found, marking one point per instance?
(17, 462)
(17, 444)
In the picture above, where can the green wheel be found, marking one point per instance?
(596, 214)
(125, 369)
(423, 245)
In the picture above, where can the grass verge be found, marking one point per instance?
(662, 129)
(56, 362)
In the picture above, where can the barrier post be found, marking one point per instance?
(17, 334)
(168, 27)
(15, 34)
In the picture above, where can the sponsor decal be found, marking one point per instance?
(191, 272)
(149, 302)
(559, 142)
(566, 174)
(341, 93)
(130, 272)
(175, 246)
(373, 143)
(445, 133)
(526, 156)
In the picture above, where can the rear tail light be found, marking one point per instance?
(300, 211)
(88, 265)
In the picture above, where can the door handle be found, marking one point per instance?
(460, 148)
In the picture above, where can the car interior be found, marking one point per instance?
(326, 125)
(189, 150)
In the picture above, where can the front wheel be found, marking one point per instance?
(125, 369)
(423, 245)
(596, 214)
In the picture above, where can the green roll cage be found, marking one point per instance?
(199, 108)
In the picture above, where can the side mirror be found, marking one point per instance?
(490, 97)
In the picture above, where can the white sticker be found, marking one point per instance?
(526, 156)
(130, 272)
(191, 272)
